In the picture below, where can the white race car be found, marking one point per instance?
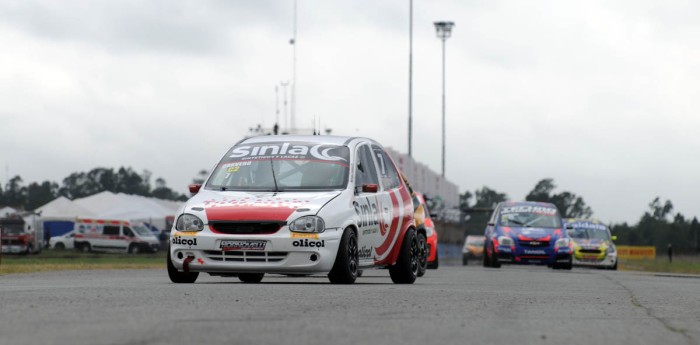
(297, 205)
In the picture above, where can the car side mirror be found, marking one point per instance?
(195, 187)
(491, 224)
(614, 238)
(370, 188)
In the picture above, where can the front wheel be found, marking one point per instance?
(344, 269)
(85, 248)
(134, 249)
(405, 270)
(180, 277)
(251, 277)
(465, 260)
(59, 246)
(423, 255)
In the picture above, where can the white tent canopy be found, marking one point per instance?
(5, 211)
(63, 208)
(108, 205)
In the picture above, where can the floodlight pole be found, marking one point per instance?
(444, 31)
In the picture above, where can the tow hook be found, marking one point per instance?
(186, 264)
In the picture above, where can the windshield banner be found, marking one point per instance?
(289, 150)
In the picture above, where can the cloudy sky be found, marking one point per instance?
(601, 96)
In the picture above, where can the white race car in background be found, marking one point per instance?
(297, 205)
(64, 241)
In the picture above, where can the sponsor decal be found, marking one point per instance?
(588, 225)
(365, 252)
(530, 209)
(368, 213)
(311, 244)
(184, 241)
(242, 245)
(313, 236)
(287, 150)
(535, 252)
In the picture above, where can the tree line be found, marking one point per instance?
(658, 226)
(82, 184)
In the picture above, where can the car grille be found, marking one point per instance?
(245, 256)
(246, 228)
(589, 251)
(12, 242)
(533, 243)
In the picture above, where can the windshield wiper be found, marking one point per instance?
(272, 166)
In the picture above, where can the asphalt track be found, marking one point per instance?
(453, 305)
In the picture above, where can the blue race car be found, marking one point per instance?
(527, 233)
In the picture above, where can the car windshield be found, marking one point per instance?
(141, 230)
(282, 166)
(12, 229)
(530, 216)
(589, 234)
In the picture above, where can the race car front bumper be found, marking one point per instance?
(510, 255)
(282, 252)
(609, 260)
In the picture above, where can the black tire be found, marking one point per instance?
(405, 270)
(250, 277)
(423, 255)
(345, 269)
(465, 260)
(134, 249)
(359, 273)
(566, 266)
(59, 246)
(614, 267)
(85, 248)
(178, 277)
(491, 260)
(435, 264)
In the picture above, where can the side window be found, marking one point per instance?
(111, 230)
(128, 232)
(387, 172)
(366, 171)
(494, 216)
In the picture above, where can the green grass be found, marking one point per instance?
(54, 260)
(681, 264)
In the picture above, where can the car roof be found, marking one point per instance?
(316, 139)
(527, 203)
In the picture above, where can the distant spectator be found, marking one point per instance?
(670, 253)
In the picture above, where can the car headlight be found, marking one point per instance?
(610, 250)
(189, 222)
(308, 224)
(562, 242)
(429, 231)
(505, 241)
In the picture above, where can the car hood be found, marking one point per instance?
(256, 206)
(525, 233)
(589, 243)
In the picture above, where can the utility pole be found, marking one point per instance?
(410, 80)
(293, 42)
(284, 87)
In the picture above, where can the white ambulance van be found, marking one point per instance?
(109, 235)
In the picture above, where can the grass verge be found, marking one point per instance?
(53, 260)
(681, 264)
